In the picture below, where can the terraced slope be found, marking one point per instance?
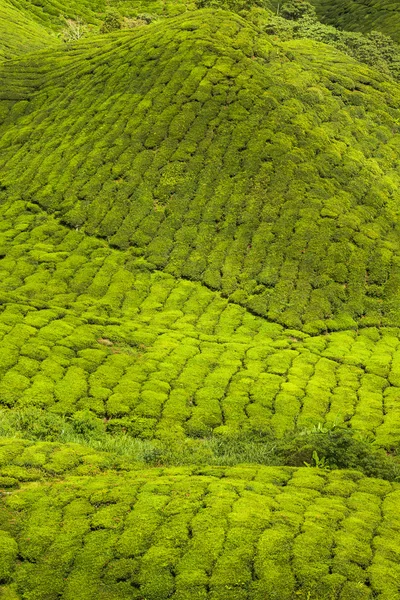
(362, 15)
(164, 358)
(143, 297)
(199, 266)
(221, 533)
(84, 326)
(26, 26)
(19, 33)
(53, 14)
(220, 158)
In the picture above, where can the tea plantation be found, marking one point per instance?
(20, 34)
(199, 300)
(362, 15)
(211, 532)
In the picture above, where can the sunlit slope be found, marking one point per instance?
(362, 15)
(19, 33)
(86, 327)
(242, 533)
(53, 14)
(220, 158)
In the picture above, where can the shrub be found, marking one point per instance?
(339, 448)
(112, 22)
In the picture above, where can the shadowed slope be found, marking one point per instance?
(19, 33)
(220, 158)
(362, 15)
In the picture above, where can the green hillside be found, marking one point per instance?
(52, 13)
(362, 15)
(151, 254)
(18, 33)
(177, 150)
(85, 326)
(55, 14)
(223, 533)
(199, 301)
(26, 26)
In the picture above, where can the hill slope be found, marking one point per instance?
(19, 33)
(86, 327)
(167, 196)
(199, 284)
(362, 15)
(241, 533)
(183, 121)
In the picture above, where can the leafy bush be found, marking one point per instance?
(297, 9)
(112, 22)
(233, 5)
(339, 448)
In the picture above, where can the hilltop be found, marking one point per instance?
(181, 131)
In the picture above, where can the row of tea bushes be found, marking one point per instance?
(18, 33)
(168, 377)
(241, 533)
(22, 461)
(154, 141)
(362, 15)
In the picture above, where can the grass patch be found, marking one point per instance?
(328, 448)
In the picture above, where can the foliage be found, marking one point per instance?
(374, 49)
(74, 30)
(361, 15)
(112, 22)
(297, 9)
(339, 448)
(322, 447)
(238, 6)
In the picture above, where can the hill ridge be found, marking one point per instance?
(154, 194)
